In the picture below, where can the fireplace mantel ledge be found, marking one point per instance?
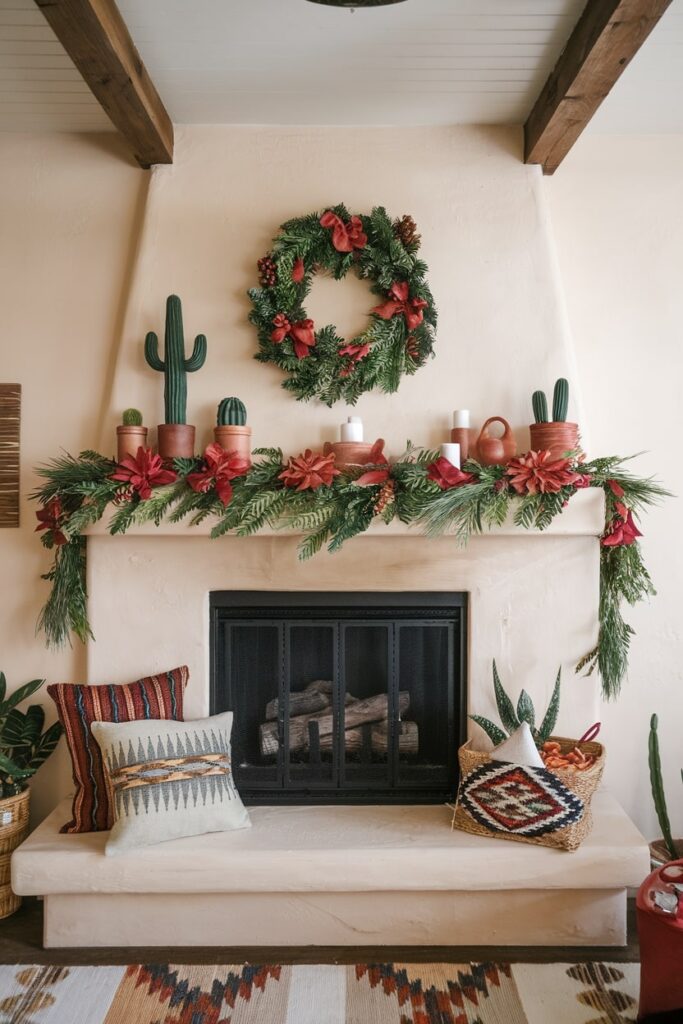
(583, 517)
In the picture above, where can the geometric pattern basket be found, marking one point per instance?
(528, 805)
(13, 831)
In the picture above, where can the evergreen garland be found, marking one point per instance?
(328, 367)
(77, 492)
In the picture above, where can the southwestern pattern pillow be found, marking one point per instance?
(168, 780)
(159, 696)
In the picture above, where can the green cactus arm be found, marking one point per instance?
(198, 357)
(152, 352)
(657, 785)
(560, 400)
(539, 404)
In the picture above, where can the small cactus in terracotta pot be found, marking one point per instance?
(557, 435)
(231, 431)
(130, 434)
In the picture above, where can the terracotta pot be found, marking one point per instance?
(350, 454)
(659, 854)
(13, 831)
(128, 440)
(176, 441)
(495, 451)
(557, 438)
(233, 438)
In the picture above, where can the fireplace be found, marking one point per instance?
(341, 697)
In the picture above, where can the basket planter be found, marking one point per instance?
(558, 438)
(563, 819)
(13, 831)
(234, 438)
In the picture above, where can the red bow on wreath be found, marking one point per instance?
(400, 302)
(302, 333)
(345, 237)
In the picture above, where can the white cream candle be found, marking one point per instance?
(451, 451)
(352, 430)
(461, 418)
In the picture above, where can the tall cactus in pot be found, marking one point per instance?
(176, 439)
(557, 435)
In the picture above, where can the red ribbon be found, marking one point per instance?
(302, 334)
(345, 237)
(400, 302)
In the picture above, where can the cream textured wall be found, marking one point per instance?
(68, 210)
(617, 212)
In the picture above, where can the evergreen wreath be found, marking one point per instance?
(330, 506)
(400, 336)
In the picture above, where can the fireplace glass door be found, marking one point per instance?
(341, 697)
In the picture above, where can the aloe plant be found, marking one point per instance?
(23, 744)
(511, 717)
(657, 785)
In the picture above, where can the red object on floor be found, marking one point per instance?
(661, 944)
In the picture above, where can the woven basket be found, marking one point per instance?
(13, 831)
(571, 788)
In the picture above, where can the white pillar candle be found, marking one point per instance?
(352, 430)
(461, 418)
(451, 451)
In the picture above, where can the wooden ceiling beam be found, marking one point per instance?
(607, 36)
(95, 36)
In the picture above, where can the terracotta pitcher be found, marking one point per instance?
(495, 451)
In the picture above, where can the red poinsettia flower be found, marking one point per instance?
(309, 471)
(220, 467)
(298, 271)
(51, 518)
(345, 237)
(302, 334)
(143, 472)
(622, 531)
(446, 475)
(382, 473)
(539, 473)
(400, 302)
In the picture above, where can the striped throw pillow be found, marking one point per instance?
(154, 697)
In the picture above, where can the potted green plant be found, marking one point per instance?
(176, 437)
(24, 746)
(231, 431)
(130, 434)
(557, 435)
(667, 848)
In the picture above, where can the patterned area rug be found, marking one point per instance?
(485, 993)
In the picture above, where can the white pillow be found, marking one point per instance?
(169, 779)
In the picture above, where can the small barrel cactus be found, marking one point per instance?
(540, 406)
(560, 400)
(132, 418)
(231, 413)
(175, 366)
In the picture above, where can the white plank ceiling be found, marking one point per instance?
(292, 62)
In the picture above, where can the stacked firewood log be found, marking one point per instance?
(312, 722)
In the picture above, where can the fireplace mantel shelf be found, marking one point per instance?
(583, 517)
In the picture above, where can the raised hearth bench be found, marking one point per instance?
(344, 876)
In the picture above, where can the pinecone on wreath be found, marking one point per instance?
(385, 497)
(267, 272)
(405, 230)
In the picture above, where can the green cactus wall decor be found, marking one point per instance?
(657, 784)
(540, 406)
(560, 400)
(132, 418)
(175, 366)
(231, 413)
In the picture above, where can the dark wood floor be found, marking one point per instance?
(21, 942)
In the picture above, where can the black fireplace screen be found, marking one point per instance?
(343, 697)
